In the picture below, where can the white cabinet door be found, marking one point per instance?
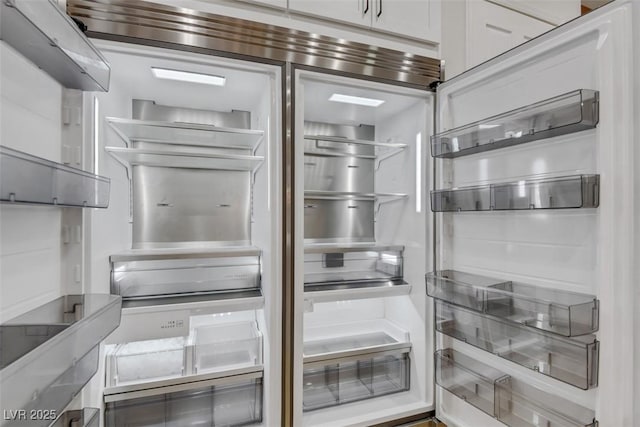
(494, 29)
(352, 11)
(418, 19)
(275, 3)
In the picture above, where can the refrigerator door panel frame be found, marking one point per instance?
(595, 48)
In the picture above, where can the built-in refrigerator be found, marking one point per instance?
(464, 248)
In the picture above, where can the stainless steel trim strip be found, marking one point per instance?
(182, 28)
(147, 255)
(342, 248)
(172, 385)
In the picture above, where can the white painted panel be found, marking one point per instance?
(30, 112)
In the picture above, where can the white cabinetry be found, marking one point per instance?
(418, 19)
(357, 12)
(474, 31)
(493, 29)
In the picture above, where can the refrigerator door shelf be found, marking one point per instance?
(568, 113)
(187, 134)
(211, 399)
(573, 361)
(562, 312)
(151, 275)
(577, 191)
(33, 180)
(511, 401)
(350, 380)
(49, 353)
(47, 36)
(86, 417)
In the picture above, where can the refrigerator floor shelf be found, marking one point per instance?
(344, 341)
(564, 114)
(354, 380)
(567, 192)
(574, 361)
(201, 400)
(49, 353)
(86, 417)
(33, 180)
(195, 134)
(513, 402)
(553, 310)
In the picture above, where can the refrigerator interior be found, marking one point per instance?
(578, 248)
(358, 340)
(227, 225)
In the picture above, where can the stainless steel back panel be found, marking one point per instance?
(149, 110)
(342, 174)
(365, 132)
(174, 207)
(338, 220)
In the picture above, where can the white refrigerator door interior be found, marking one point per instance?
(574, 250)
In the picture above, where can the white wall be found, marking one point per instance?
(30, 121)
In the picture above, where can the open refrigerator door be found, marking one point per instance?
(533, 274)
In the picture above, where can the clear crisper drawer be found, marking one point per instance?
(233, 401)
(149, 360)
(514, 402)
(554, 310)
(226, 346)
(470, 380)
(567, 113)
(352, 380)
(574, 361)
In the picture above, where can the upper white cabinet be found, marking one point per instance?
(418, 19)
(350, 11)
(474, 31)
(282, 4)
(494, 29)
(555, 12)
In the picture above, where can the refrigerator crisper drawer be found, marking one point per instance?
(554, 310)
(574, 361)
(326, 267)
(226, 346)
(351, 380)
(164, 276)
(571, 112)
(220, 348)
(511, 401)
(226, 401)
